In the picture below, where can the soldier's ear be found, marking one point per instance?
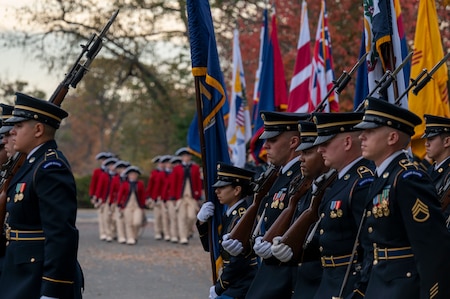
(392, 137)
(237, 190)
(39, 129)
(446, 141)
(294, 142)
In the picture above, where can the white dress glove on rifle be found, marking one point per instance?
(206, 211)
(281, 251)
(212, 292)
(262, 248)
(232, 246)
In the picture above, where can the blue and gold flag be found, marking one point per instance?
(206, 70)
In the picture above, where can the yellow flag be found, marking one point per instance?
(433, 98)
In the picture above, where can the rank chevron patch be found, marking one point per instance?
(420, 211)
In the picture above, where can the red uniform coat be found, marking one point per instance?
(166, 186)
(155, 184)
(115, 186)
(177, 181)
(103, 186)
(124, 194)
(94, 181)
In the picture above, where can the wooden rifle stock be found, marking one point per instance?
(296, 234)
(298, 187)
(8, 170)
(242, 231)
(444, 195)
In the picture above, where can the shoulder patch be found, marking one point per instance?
(406, 174)
(52, 164)
(364, 171)
(365, 181)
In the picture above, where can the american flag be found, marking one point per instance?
(239, 130)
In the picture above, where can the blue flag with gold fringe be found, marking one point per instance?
(206, 69)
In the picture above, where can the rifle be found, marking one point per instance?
(391, 77)
(386, 80)
(429, 76)
(410, 86)
(72, 78)
(340, 83)
(297, 232)
(78, 69)
(352, 257)
(243, 229)
(444, 195)
(297, 188)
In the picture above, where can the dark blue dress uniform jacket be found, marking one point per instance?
(341, 211)
(42, 197)
(309, 271)
(238, 271)
(403, 212)
(440, 178)
(274, 278)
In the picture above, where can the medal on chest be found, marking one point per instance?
(20, 187)
(335, 209)
(278, 199)
(381, 204)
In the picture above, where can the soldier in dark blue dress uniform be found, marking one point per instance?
(403, 221)
(41, 255)
(437, 144)
(309, 271)
(276, 279)
(233, 189)
(341, 208)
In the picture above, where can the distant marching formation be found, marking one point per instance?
(173, 192)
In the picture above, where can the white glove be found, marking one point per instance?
(212, 292)
(262, 248)
(232, 246)
(45, 297)
(281, 251)
(206, 211)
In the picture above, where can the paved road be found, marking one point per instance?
(149, 269)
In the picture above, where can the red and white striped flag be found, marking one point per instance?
(322, 67)
(299, 90)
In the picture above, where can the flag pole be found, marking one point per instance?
(198, 101)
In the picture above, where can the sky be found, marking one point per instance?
(15, 64)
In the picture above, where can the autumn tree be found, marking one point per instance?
(138, 99)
